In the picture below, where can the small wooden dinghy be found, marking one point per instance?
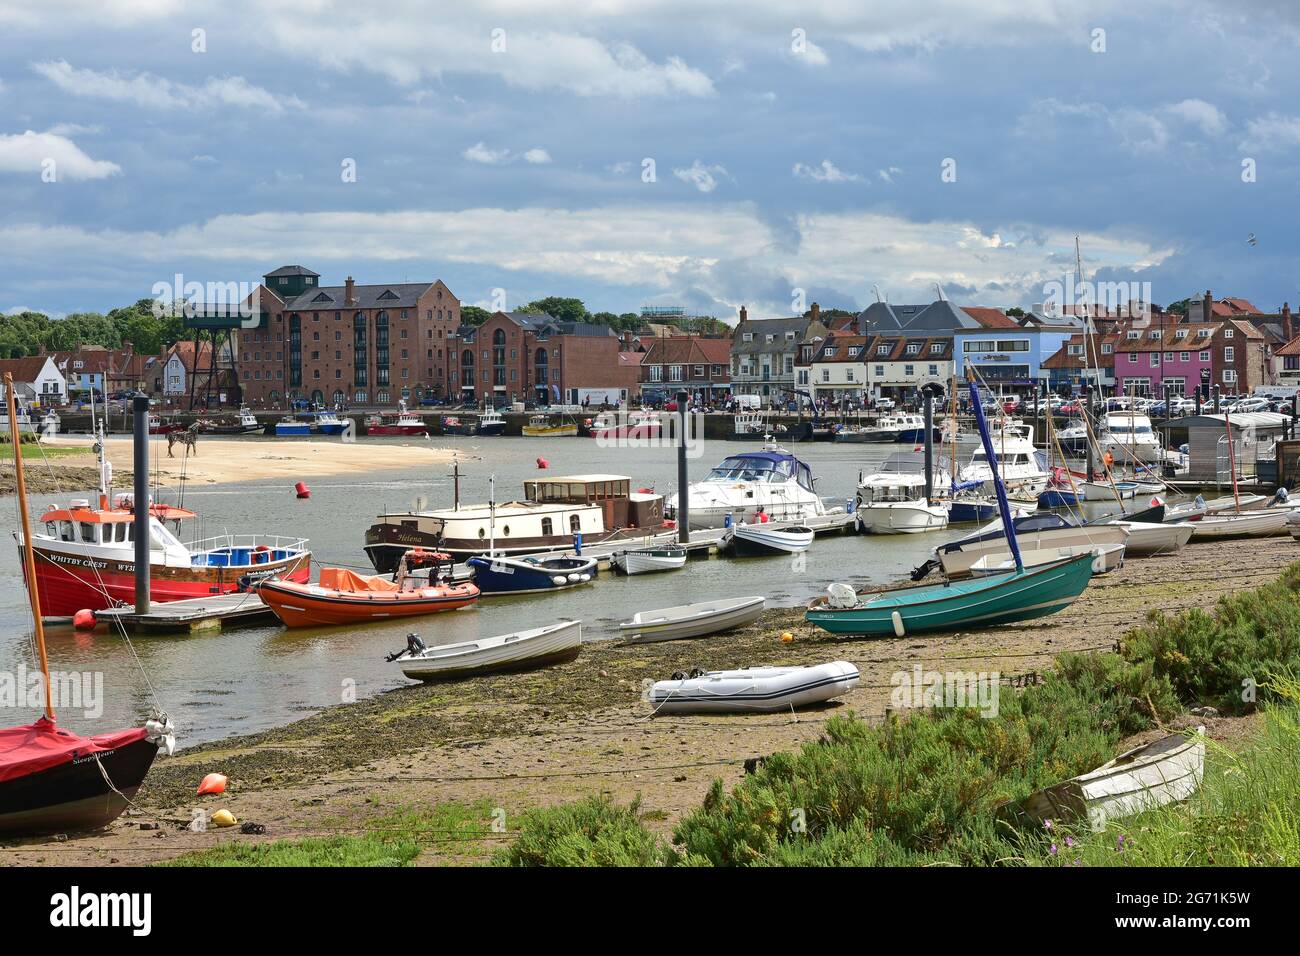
(521, 650)
(1165, 771)
(1105, 557)
(647, 560)
(753, 690)
(761, 540)
(692, 620)
(345, 597)
(1250, 524)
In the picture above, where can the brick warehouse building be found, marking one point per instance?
(350, 344)
(526, 357)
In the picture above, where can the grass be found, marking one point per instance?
(396, 838)
(33, 453)
(936, 788)
(1244, 814)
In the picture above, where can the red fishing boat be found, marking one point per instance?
(158, 427)
(404, 423)
(345, 597)
(52, 780)
(620, 426)
(85, 555)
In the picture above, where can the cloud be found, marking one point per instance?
(827, 172)
(888, 174)
(1272, 132)
(725, 250)
(481, 153)
(704, 178)
(156, 92)
(29, 152)
(1207, 116)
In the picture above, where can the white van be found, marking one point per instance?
(749, 402)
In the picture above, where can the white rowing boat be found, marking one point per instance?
(692, 620)
(647, 560)
(761, 540)
(506, 652)
(1145, 538)
(753, 690)
(1165, 771)
(1250, 524)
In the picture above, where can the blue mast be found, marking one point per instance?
(1004, 509)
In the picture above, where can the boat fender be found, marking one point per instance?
(559, 579)
(575, 577)
(898, 624)
(224, 818)
(84, 620)
(543, 463)
(585, 577)
(301, 490)
(787, 638)
(213, 783)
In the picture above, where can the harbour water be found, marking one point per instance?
(250, 679)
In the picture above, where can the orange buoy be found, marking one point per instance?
(213, 783)
(84, 620)
(762, 517)
(302, 490)
(543, 463)
(645, 491)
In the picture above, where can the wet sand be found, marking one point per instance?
(524, 740)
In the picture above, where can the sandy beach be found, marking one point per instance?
(517, 741)
(227, 460)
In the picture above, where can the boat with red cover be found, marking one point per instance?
(52, 780)
(345, 597)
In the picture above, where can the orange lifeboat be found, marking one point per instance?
(345, 597)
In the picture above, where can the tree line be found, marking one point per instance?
(26, 333)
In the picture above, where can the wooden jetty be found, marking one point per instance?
(192, 615)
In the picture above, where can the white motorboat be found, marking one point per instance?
(1194, 510)
(692, 620)
(647, 560)
(763, 540)
(1129, 437)
(1145, 538)
(506, 652)
(753, 690)
(897, 428)
(1023, 468)
(1105, 558)
(1033, 533)
(892, 500)
(1250, 524)
(771, 482)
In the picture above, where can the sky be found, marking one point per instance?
(705, 154)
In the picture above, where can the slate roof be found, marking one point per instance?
(400, 295)
(939, 317)
(291, 271)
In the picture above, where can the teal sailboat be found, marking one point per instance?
(997, 599)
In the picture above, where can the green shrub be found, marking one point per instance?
(591, 832)
(1208, 657)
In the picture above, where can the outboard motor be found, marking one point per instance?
(414, 647)
(922, 570)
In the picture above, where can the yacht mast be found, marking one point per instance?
(29, 558)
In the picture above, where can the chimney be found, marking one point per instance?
(1287, 331)
(744, 314)
(1207, 306)
(816, 312)
(349, 297)
(627, 340)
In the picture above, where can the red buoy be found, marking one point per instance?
(213, 783)
(302, 489)
(84, 620)
(543, 463)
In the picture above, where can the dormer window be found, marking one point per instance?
(882, 350)
(853, 351)
(1180, 334)
(769, 337)
(913, 349)
(1227, 333)
(936, 348)
(1157, 334)
(789, 336)
(1135, 335)
(747, 336)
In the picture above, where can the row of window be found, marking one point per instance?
(1229, 354)
(995, 345)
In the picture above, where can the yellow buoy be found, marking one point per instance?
(787, 638)
(223, 818)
